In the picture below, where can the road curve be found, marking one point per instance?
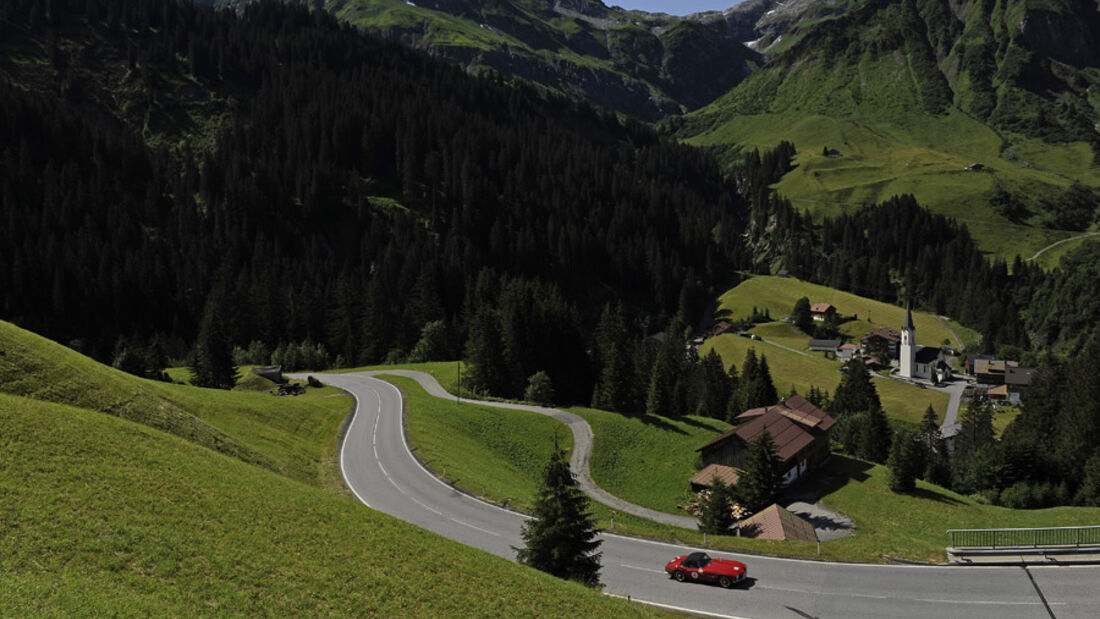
(381, 471)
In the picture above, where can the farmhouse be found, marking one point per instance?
(799, 429)
(1007, 381)
(821, 311)
(882, 342)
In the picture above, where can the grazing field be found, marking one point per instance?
(779, 294)
(924, 156)
(647, 460)
(901, 401)
(103, 516)
(294, 436)
(491, 452)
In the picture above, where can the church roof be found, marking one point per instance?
(927, 354)
(908, 319)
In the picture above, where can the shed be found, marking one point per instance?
(775, 522)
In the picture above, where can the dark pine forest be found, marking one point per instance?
(349, 193)
(275, 181)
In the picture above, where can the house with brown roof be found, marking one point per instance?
(775, 522)
(799, 429)
(726, 474)
(882, 342)
(821, 311)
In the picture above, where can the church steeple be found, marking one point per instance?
(908, 349)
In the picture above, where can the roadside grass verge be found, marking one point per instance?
(491, 452)
(294, 436)
(103, 516)
(901, 401)
(647, 460)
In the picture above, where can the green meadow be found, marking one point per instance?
(922, 154)
(151, 499)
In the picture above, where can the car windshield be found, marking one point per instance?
(697, 560)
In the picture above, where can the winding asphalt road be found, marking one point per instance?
(381, 471)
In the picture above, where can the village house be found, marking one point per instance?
(991, 372)
(824, 345)
(970, 361)
(799, 429)
(881, 342)
(1016, 382)
(822, 311)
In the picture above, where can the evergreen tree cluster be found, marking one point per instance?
(347, 192)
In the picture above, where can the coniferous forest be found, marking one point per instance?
(274, 182)
(350, 193)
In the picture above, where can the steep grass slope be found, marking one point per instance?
(292, 436)
(102, 516)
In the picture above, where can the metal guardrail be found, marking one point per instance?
(1053, 537)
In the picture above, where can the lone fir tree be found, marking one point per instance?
(761, 482)
(716, 516)
(213, 355)
(561, 538)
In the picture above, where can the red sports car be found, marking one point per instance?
(699, 567)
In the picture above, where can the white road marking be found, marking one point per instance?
(690, 611)
(892, 597)
(642, 569)
(466, 524)
(344, 450)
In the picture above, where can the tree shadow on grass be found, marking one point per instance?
(695, 423)
(660, 423)
(924, 493)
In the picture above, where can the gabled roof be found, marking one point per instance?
(1001, 390)
(821, 308)
(927, 354)
(830, 344)
(1019, 377)
(729, 475)
(788, 422)
(883, 332)
(774, 522)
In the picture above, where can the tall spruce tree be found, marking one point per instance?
(855, 393)
(760, 483)
(561, 538)
(906, 462)
(212, 364)
(801, 316)
(716, 517)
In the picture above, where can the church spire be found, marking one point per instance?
(908, 318)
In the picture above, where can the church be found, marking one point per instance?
(920, 362)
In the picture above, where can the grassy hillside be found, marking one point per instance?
(779, 294)
(491, 452)
(103, 516)
(644, 65)
(647, 460)
(292, 436)
(909, 93)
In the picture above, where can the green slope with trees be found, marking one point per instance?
(899, 97)
(646, 65)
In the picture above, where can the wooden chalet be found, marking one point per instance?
(821, 311)
(799, 429)
(883, 339)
